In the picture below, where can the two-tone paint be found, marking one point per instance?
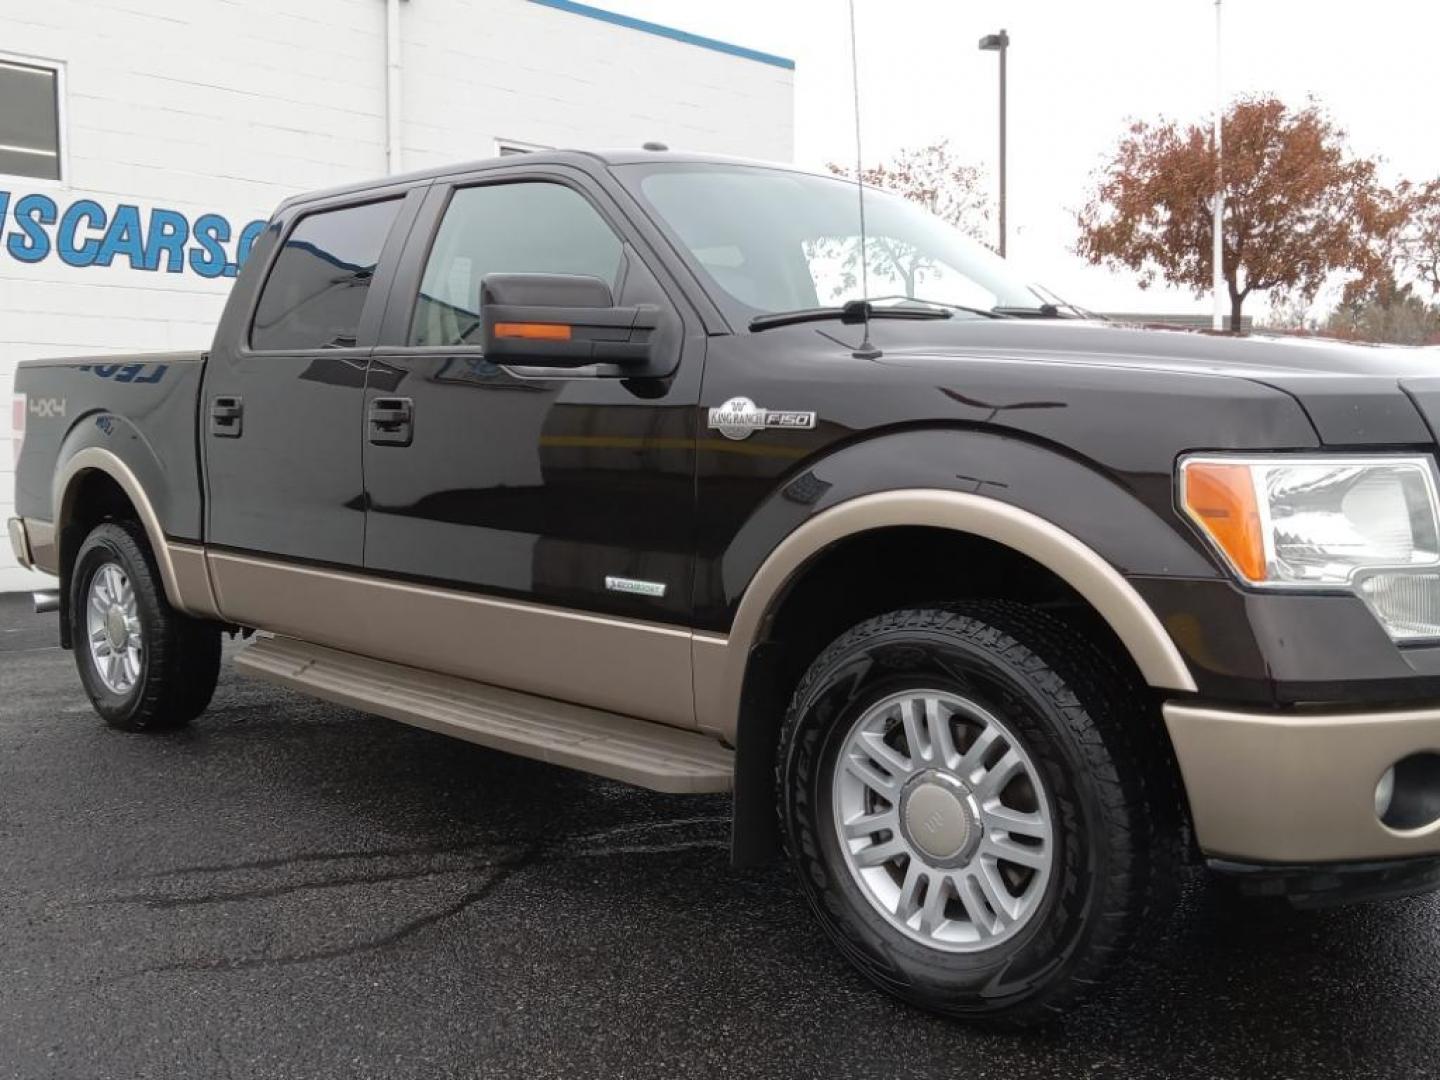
(483, 548)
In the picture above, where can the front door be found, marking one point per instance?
(559, 505)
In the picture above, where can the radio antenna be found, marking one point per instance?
(867, 350)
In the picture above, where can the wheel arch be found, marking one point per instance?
(736, 678)
(95, 484)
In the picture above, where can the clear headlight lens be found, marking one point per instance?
(1364, 524)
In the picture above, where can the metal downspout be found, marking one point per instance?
(392, 86)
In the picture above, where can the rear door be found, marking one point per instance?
(282, 415)
(559, 506)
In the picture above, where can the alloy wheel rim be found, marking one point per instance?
(943, 820)
(112, 622)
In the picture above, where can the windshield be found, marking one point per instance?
(771, 240)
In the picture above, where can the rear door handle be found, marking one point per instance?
(227, 417)
(392, 421)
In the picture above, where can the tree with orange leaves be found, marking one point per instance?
(1419, 244)
(1299, 206)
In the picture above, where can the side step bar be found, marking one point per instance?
(638, 752)
(46, 601)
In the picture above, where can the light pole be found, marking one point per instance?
(1217, 227)
(1000, 43)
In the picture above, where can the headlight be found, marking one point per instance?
(1368, 525)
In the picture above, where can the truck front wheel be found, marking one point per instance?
(968, 798)
(145, 666)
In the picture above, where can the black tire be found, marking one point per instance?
(180, 656)
(1093, 737)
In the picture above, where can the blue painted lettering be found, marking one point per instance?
(32, 243)
(85, 252)
(90, 234)
(207, 257)
(248, 236)
(169, 232)
(123, 237)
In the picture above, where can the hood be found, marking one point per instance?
(1160, 348)
(1355, 395)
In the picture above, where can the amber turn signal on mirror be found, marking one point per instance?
(533, 331)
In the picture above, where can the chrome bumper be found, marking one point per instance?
(1298, 787)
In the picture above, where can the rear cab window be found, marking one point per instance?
(317, 286)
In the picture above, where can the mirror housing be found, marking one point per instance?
(561, 321)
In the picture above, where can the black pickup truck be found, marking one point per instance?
(997, 618)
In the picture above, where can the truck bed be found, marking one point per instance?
(142, 407)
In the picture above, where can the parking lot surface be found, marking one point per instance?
(291, 889)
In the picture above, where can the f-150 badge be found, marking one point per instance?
(739, 418)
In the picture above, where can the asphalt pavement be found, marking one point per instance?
(292, 889)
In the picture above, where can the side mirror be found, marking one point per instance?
(561, 321)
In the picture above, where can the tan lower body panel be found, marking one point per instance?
(1299, 786)
(44, 551)
(619, 665)
(188, 583)
(192, 580)
(649, 755)
(710, 654)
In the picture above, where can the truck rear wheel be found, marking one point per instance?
(145, 666)
(968, 798)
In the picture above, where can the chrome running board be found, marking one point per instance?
(620, 747)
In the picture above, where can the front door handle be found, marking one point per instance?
(392, 421)
(227, 416)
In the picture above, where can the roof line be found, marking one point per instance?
(646, 27)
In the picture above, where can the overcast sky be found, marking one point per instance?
(1078, 71)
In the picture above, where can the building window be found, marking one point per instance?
(30, 119)
(510, 147)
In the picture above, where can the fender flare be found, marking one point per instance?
(721, 663)
(183, 570)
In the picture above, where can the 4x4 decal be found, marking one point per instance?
(45, 408)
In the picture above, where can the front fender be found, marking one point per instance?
(1089, 527)
(1128, 519)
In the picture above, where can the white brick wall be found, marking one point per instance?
(229, 106)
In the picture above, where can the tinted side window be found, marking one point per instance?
(521, 228)
(317, 287)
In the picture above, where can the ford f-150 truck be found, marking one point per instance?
(997, 618)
